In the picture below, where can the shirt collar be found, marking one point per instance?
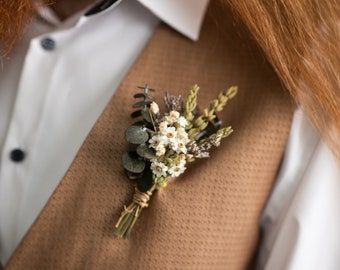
(186, 16)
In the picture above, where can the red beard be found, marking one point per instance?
(15, 18)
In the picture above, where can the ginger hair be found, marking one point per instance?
(15, 18)
(300, 38)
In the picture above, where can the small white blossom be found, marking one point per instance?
(174, 115)
(171, 118)
(159, 169)
(170, 133)
(167, 119)
(182, 135)
(163, 126)
(179, 147)
(173, 144)
(160, 150)
(157, 141)
(182, 121)
(154, 107)
(176, 170)
(181, 130)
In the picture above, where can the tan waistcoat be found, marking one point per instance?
(208, 218)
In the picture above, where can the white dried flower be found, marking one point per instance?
(174, 115)
(160, 150)
(156, 141)
(177, 170)
(181, 147)
(168, 120)
(154, 107)
(180, 130)
(162, 126)
(159, 169)
(182, 121)
(182, 135)
(170, 133)
(178, 146)
(171, 118)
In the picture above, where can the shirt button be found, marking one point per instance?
(17, 155)
(48, 44)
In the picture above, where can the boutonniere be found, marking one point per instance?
(161, 146)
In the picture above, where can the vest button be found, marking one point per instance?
(17, 155)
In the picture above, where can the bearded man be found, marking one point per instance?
(69, 72)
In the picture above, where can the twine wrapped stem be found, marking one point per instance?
(131, 213)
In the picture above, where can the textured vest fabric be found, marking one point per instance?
(207, 218)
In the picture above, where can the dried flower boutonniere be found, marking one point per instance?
(162, 146)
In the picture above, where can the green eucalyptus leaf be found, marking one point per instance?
(136, 134)
(136, 114)
(144, 151)
(141, 104)
(132, 163)
(143, 95)
(146, 116)
(139, 95)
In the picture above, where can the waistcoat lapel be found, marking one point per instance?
(208, 218)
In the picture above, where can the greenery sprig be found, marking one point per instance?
(161, 147)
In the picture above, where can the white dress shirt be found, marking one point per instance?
(47, 114)
(301, 221)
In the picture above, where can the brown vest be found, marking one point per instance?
(208, 218)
